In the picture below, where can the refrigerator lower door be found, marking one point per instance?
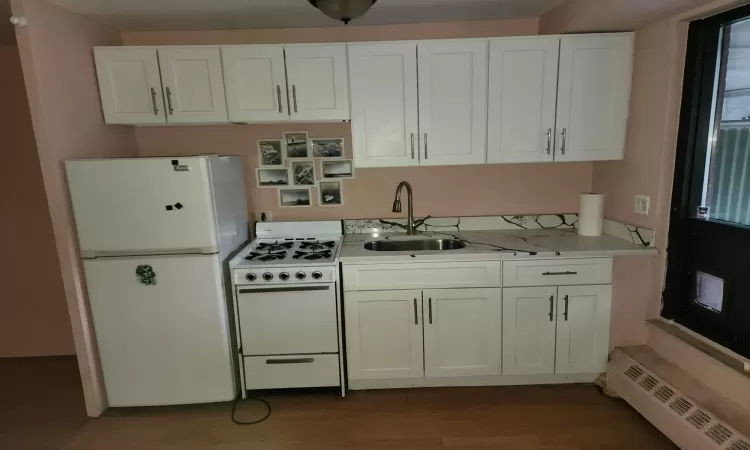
(162, 329)
(143, 206)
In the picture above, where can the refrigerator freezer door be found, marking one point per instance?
(162, 329)
(143, 206)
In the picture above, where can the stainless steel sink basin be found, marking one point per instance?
(415, 245)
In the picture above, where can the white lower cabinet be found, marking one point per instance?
(384, 334)
(583, 328)
(529, 330)
(462, 332)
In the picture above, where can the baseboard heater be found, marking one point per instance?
(686, 423)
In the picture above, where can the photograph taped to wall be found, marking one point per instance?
(328, 147)
(270, 152)
(294, 197)
(296, 144)
(339, 170)
(272, 177)
(330, 193)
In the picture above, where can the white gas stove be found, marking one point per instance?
(287, 307)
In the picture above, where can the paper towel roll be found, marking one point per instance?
(591, 215)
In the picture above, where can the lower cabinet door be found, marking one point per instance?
(462, 332)
(529, 316)
(384, 334)
(583, 328)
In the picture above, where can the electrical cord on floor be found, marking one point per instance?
(256, 399)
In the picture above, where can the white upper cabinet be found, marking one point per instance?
(594, 96)
(522, 99)
(462, 332)
(318, 84)
(453, 101)
(583, 320)
(384, 334)
(255, 81)
(529, 317)
(193, 84)
(129, 85)
(383, 89)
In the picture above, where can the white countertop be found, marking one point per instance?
(494, 245)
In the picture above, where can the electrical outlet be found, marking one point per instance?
(747, 366)
(263, 216)
(642, 204)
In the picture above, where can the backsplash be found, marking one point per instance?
(447, 191)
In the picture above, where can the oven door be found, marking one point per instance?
(288, 320)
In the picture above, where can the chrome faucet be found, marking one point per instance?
(411, 224)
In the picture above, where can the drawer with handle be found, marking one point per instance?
(291, 371)
(557, 272)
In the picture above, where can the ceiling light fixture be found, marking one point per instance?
(343, 10)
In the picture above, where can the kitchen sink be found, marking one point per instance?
(414, 245)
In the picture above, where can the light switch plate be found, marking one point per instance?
(642, 204)
(263, 216)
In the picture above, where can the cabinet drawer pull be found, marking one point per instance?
(430, 310)
(412, 146)
(291, 361)
(278, 96)
(153, 101)
(416, 316)
(560, 273)
(567, 301)
(549, 141)
(425, 146)
(294, 96)
(564, 140)
(551, 308)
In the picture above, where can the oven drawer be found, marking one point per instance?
(291, 371)
(557, 272)
(288, 320)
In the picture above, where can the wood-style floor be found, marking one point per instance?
(508, 418)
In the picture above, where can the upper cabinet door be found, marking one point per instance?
(318, 83)
(385, 121)
(129, 85)
(529, 330)
(583, 318)
(384, 334)
(462, 332)
(594, 97)
(453, 102)
(255, 81)
(193, 84)
(522, 99)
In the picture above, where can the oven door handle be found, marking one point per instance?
(285, 289)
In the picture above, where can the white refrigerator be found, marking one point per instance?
(155, 236)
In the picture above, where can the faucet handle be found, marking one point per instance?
(418, 223)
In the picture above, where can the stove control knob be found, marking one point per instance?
(268, 276)
(317, 275)
(301, 275)
(251, 277)
(284, 276)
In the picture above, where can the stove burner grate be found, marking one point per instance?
(310, 256)
(274, 246)
(269, 256)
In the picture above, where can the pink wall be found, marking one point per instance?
(440, 191)
(58, 68)
(33, 316)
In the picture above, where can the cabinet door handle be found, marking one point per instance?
(425, 146)
(153, 101)
(291, 361)
(564, 140)
(416, 316)
(567, 303)
(549, 141)
(560, 273)
(412, 146)
(169, 102)
(278, 96)
(551, 308)
(430, 310)
(294, 97)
